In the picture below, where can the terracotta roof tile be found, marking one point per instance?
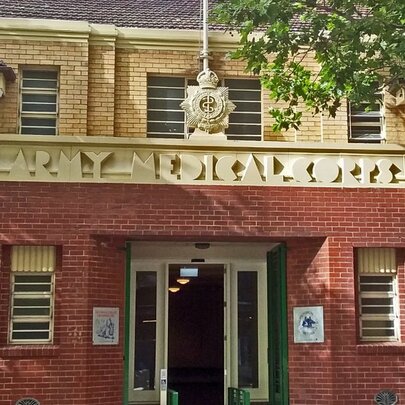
(170, 14)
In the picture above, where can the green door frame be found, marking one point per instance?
(277, 325)
(127, 308)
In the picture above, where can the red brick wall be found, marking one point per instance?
(90, 223)
(308, 285)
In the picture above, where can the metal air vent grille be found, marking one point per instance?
(386, 398)
(27, 401)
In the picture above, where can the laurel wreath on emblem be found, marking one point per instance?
(386, 398)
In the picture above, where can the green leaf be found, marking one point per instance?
(358, 46)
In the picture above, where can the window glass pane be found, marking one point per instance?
(32, 302)
(41, 74)
(32, 311)
(248, 364)
(243, 84)
(163, 104)
(244, 129)
(39, 84)
(366, 108)
(378, 333)
(161, 92)
(165, 135)
(145, 330)
(366, 120)
(38, 131)
(369, 279)
(37, 279)
(166, 127)
(247, 106)
(166, 116)
(44, 336)
(378, 324)
(377, 310)
(366, 133)
(246, 118)
(376, 301)
(376, 287)
(38, 107)
(38, 122)
(244, 95)
(32, 287)
(39, 98)
(244, 137)
(26, 326)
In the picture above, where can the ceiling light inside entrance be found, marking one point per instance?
(183, 280)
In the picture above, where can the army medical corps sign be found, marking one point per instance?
(120, 162)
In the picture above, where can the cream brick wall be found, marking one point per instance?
(395, 124)
(100, 106)
(103, 89)
(71, 58)
(130, 94)
(132, 69)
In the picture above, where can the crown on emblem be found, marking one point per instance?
(207, 79)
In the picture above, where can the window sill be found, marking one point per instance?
(381, 348)
(27, 351)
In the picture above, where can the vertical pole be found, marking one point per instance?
(205, 53)
(127, 307)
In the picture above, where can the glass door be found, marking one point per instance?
(196, 333)
(249, 329)
(146, 350)
(218, 312)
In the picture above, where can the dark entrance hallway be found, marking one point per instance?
(196, 334)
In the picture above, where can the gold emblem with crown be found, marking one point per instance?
(207, 106)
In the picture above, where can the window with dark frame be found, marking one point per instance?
(166, 119)
(377, 294)
(39, 101)
(366, 121)
(32, 294)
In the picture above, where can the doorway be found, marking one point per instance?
(196, 333)
(239, 345)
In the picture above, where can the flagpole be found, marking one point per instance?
(207, 106)
(205, 52)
